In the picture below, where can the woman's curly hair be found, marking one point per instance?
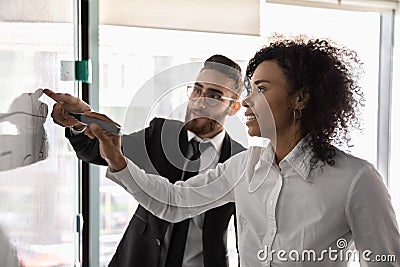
(330, 75)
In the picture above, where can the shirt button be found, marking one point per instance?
(158, 242)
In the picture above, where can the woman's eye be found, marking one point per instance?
(261, 89)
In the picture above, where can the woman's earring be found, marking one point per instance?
(295, 117)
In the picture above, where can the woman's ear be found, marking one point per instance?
(302, 98)
(235, 106)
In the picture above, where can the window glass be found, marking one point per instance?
(343, 27)
(37, 166)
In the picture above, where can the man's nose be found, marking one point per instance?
(200, 101)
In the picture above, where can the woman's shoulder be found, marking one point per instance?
(349, 165)
(343, 158)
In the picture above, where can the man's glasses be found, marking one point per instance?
(210, 97)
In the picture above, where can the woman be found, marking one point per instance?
(300, 201)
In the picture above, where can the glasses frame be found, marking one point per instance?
(212, 103)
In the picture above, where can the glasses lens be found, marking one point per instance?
(211, 101)
(211, 98)
(213, 95)
(190, 91)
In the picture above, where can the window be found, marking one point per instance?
(38, 168)
(343, 27)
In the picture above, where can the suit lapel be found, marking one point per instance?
(226, 149)
(183, 141)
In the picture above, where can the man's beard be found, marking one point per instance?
(205, 124)
(199, 128)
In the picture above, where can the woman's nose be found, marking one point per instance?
(246, 102)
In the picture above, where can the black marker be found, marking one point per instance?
(106, 126)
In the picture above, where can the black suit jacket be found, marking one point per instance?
(160, 149)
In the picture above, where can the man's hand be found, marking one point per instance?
(66, 103)
(110, 144)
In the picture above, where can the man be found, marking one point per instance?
(148, 240)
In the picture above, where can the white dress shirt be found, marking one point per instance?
(193, 254)
(284, 210)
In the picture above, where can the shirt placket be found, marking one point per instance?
(271, 218)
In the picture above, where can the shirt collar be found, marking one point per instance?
(298, 158)
(216, 141)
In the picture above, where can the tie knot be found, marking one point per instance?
(198, 148)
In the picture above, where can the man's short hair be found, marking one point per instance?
(227, 67)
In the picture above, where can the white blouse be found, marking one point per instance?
(289, 214)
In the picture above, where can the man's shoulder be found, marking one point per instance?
(162, 128)
(235, 146)
(159, 122)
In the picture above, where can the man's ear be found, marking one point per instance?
(302, 98)
(235, 106)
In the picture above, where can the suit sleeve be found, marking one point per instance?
(85, 148)
(133, 145)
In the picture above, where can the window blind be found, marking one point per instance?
(362, 5)
(223, 16)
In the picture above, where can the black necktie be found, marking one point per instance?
(179, 232)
